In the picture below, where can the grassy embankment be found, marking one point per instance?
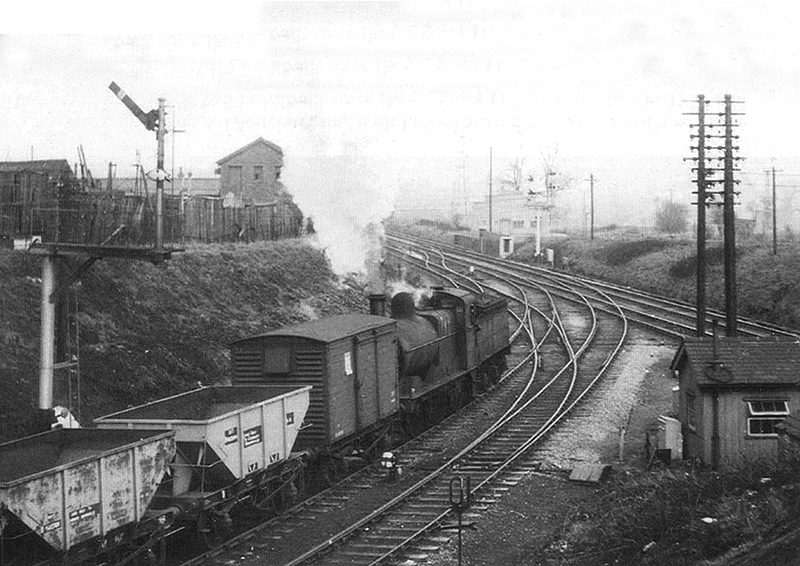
(685, 515)
(768, 286)
(148, 331)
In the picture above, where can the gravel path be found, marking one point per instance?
(636, 390)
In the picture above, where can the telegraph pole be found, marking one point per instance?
(173, 131)
(701, 216)
(774, 213)
(729, 223)
(591, 206)
(705, 197)
(490, 189)
(160, 177)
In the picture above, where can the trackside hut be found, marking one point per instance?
(733, 393)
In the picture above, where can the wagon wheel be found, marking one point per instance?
(213, 528)
(494, 375)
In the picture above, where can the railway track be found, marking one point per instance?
(659, 314)
(367, 520)
(317, 519)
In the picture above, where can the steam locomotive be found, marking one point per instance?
(371, 372)
(305, 396)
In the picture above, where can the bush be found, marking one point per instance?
(671, 217)
(687, 267)
(671, 516)
(620, 253)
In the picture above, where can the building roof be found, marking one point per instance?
(740, 361)
(259, 140)
(49, 165)
(327, 329)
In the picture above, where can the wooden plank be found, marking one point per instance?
(589, 473)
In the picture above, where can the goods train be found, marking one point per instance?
(303, 399)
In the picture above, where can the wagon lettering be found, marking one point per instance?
(274, 457)
(290, 418)
(252, 467)
(55, 525)
(252, 436)
(232, 435)
(88, 512)
(119, 515)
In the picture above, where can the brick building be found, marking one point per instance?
(251, 174)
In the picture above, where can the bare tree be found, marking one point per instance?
(516, 174)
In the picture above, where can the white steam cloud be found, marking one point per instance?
(346, 199)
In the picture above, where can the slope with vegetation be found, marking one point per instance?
(148, 331)
(768, 287)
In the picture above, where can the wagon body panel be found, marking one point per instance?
(70, 486)
(349, 360)
(247, 428)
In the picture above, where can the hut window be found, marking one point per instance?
(764, 415)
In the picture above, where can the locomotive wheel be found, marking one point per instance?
(213, 528)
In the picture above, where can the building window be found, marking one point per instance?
(258, 172)
(691, 411)
(519, 224)
(764, 415)
(533, 223)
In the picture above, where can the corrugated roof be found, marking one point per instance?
(329, 329)
(730, 361)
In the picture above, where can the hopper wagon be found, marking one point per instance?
(233, 443)
(81, 492)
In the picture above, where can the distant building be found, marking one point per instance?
(733, 394)
(251, 175)
(513, 212)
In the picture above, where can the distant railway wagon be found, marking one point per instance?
(485, 242)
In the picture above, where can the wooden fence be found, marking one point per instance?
(129, 220)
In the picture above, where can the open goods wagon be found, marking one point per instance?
(81, 488)
(232, 443)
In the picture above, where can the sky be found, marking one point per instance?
(379, 102)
